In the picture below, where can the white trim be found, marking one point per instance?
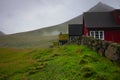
(93, 33)
(98, 34)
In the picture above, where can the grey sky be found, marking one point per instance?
(24, 15)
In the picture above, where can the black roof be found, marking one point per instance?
(75, 29)
(118, 10)
(99, 20)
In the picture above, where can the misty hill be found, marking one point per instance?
(43, 37)
(1, 33)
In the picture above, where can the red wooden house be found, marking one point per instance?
(102, 25)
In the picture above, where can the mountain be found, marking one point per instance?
(45, 36)
(1, 33)
(101, 7)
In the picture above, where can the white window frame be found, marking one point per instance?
(98, 34)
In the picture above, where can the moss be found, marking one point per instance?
(87, 71)
(102, 77)
(83, 62)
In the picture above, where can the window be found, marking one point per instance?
(92, 33)
(97, 34)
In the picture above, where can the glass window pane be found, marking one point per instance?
(101, 34)
(96, 34)
(92, 33)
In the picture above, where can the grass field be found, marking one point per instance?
(70, 62)
(26, 41)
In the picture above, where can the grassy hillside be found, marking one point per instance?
(70, 62)
(27, 41)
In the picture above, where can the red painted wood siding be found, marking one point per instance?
(109, 35)
(85, 28)
(112, 35)
(85, 31)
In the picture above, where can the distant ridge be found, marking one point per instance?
(45, 36)
(1, 33)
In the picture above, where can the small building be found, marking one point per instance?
(63, 38)
(75, 32)
(102, 25)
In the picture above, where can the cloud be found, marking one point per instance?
(31, 16)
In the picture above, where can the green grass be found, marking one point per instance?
(26, 41)
(70, 62)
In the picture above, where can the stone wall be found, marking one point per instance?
(104, 48)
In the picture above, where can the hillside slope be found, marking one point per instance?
(1, 33)
(70, 62)
(43, 37)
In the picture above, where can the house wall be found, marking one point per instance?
(112, 35)
(109, 35)
(86, 32)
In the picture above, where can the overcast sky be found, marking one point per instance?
(24, 15)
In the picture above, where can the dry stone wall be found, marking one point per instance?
(108, 49)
